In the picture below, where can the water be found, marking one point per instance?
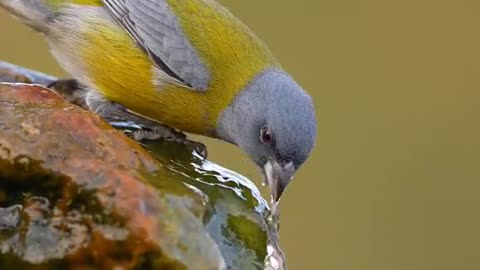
(232, 198)
(275, 259)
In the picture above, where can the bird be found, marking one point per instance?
(187, 65)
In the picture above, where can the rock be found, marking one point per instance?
(15, 74)
(77, 194)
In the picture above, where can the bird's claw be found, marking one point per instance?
(171, 135)
(198, 147)
(71, 90)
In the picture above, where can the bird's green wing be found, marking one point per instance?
(157, 30)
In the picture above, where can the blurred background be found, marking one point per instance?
(394, 181)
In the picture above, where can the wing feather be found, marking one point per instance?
(156, 29)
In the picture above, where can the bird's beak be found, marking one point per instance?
(278, 177)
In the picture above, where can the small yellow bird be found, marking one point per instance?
(187, 64)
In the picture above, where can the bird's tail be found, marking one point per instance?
(34, 13)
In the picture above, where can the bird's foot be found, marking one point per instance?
(71, 90)
(161, 132)
(78, 94)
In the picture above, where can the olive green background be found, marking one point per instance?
(394, 181)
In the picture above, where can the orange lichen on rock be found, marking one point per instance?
(80, 196)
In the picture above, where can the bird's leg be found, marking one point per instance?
(94, 101)
(71, 90)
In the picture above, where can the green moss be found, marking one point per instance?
(250, 233)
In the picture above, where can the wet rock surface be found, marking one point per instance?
(77, 194)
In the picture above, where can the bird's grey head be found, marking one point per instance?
(273, 121)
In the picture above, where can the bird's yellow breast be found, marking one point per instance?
(124, 73)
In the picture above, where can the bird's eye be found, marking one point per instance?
(266, 136)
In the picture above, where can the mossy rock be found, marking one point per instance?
(76, 193)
